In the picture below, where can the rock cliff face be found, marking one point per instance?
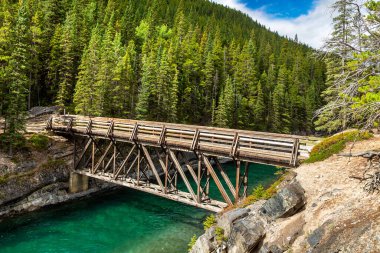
(35, 178)
(321, 208)
(247, 229)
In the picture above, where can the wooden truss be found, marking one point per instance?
(154, 157)
(158, 170)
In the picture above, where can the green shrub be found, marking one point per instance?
(219, 232)
(39, 141)
(209, 222)
(259, 192)
(192, 242)
(335, 144)
(3, 179)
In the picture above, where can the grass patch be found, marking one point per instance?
(209, 222)
(219, 235)
(3, 179)
(335, 144)
(39, 141)
(192, 243)
(259, 193)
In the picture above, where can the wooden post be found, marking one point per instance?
(138, 165)
(93, 157)
(225, 176)
(207, 182)
(114, 160)
(237, 186)
(152, 167)
(75, 152)
(166, 171)
(217, 181)
(125, 161)
(199, 178)
(183, 175)
(246, 180)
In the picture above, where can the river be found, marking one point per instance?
(120, 221)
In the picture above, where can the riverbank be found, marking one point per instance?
(38, 176)
(320, 207)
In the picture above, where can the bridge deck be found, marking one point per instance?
(259, 147)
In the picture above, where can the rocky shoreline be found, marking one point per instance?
(254, 227)
(319, 207)
(34, 179)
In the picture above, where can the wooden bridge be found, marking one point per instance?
(151, 156)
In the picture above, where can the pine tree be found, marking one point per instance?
(17, 75)
(85, 97)
(281, 116)
(125, 83)
(225, 111)
(5, 50)
(35, 56)
(67, 66)
(148, 75)
(104, 76)
(259, 111)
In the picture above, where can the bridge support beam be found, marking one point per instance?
(78, 182)
(181, 175)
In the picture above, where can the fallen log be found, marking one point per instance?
(370, 154)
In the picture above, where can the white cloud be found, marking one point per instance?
(312, 28)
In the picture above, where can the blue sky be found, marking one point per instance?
(310, 20)
(282, 8)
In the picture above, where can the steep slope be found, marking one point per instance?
(167, 60)
(319, 207)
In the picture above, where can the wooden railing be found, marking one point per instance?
(259, 147)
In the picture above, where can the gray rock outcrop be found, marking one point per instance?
(286, 202)
(246, 228)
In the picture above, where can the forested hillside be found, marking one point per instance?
(192, 62)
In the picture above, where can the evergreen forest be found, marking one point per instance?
(193, 62)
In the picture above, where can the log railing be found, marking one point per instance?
(259, 147)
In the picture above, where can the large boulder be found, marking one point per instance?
(282, 234)
(205, 243)
(246, 234)
(286, 202)
(227, 220)
(43, 110)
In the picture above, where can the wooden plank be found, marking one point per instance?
(179, 196)
(161, 141)
(237, 185)
(102, 158)
(225, 176)
(182, 173)
(152, 167)
(199, 178)
(124, 162)
(217, 181)
(194, 144)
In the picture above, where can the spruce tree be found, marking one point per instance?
(259, 111)
(17, 75)
(85, 97)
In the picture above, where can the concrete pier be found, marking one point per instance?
(78, 182)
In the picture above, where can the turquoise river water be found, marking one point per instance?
(119, 221)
